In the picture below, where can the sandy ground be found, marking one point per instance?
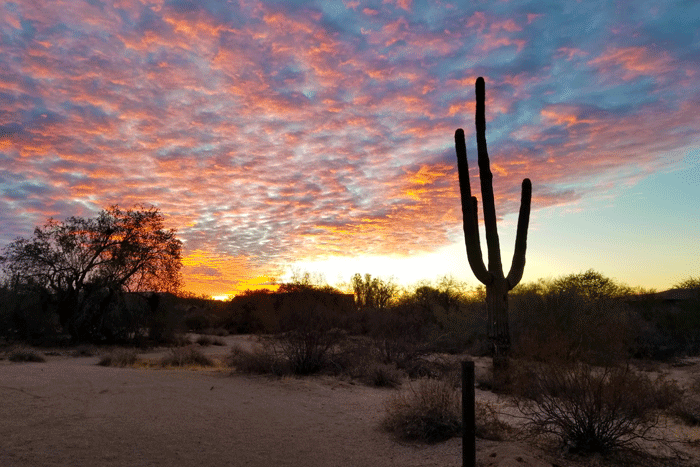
(70, 411)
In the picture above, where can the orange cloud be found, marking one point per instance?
(631, 62)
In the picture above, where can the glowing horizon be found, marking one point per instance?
(319, 135)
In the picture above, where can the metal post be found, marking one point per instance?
(468, 422)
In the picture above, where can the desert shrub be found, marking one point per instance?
(429, 411)
(310, 332)
(307, 349)
(354, 357)
(25, 355)
(85, 351)
(488, 425)
(179, 340)
(398, 334)
(220, 332)
(196, 323)
(186, 356)
(590, 409)
(580, 317)
(260, 361)
(383, 376)
(119, 357)
(687, 410)
(204, 340)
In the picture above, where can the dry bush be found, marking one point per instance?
(430, 412)
(488, 425)
(179, 340)
(25, 355)
(119, 357)
(186, 356)
(383, 376)
(205, 340)
(591, 409)
(355, 358)
(687, 410)
(220, 332)
(85, 351)
(260, 361)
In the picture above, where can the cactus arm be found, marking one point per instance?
(487, 198)
(469, 213)
(518, 266)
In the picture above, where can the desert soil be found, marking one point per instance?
(69, 411)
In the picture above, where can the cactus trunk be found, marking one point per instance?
(497, 285)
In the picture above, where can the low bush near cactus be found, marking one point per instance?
(428, 411)
(119, 357)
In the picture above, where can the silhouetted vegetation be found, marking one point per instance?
(593, 409)
(74, 277)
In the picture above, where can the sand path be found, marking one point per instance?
(70, 411)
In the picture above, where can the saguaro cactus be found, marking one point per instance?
(497, 285)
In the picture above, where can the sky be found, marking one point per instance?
(281, 136)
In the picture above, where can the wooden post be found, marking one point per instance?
(468, 415)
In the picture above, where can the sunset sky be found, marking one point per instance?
(319, 136)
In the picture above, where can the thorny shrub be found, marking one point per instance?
(119, 357)
(429, 411)
(591, 409)
(186, 356)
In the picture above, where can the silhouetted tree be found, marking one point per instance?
(497, 285)
(84, 265)
(373, 292)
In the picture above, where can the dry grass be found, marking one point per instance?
(428, 411)
(25, 355)
(119, 358)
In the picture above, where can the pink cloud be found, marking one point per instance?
(628, 63)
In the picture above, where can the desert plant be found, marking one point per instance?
(25, 355)
(84, 351)
(488, 425)
(260, 361)
(205, 340)
(383, 376)
(429, 411)
(590, 409)
(119, 357)
(186, 356)
(497, 285)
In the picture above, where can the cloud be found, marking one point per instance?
(268, 132)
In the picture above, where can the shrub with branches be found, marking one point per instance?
(186, 356)
(590, 409)
(119, 358)
(429, 411)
